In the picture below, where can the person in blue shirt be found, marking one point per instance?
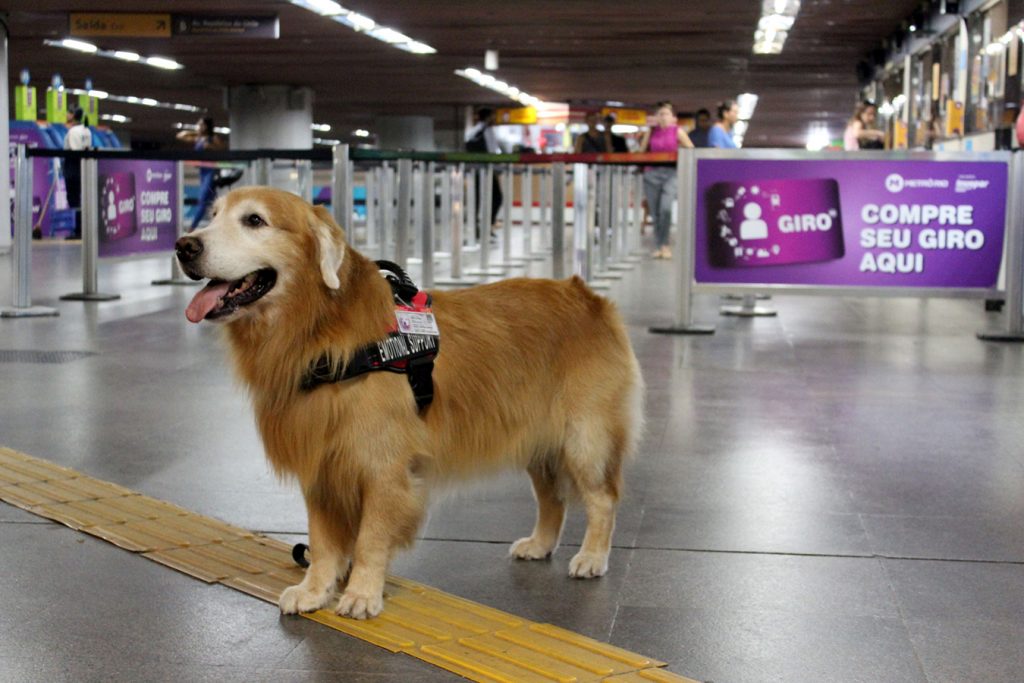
(720, 134)
(702, 128)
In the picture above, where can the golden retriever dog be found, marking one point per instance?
(532, 374)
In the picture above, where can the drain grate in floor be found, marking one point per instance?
(53, 357)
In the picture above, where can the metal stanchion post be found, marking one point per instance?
(1014, 255)
(372, 216)
(304, 171)
(506, 218)
(472, 181)
(637, 231)
(607, 205)
(427, 221)
(558, 220)
(546, 185)
(580, 220)
(486, 185)
(387, 223)
(21, 273)
(404, 200)
(341, 188)
(686, 175)
(526, 198)
(263, 171)
(177, 277)
(90, 238)
(445, 221)
(458, 186)
(417, 212)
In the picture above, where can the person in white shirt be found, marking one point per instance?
(78, 138)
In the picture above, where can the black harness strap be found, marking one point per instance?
(409, 354)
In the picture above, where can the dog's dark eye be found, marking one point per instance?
(253, 220)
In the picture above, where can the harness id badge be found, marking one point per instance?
(417, 322)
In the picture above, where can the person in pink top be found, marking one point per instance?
(660, 181)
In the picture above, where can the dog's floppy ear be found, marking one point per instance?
(331, 245)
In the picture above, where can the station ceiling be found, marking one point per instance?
(691, 52)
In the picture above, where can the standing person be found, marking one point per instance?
(720, 134)
(481, 138)
(700, 132)
(595, 140)
(618, 142)
(859, 133)
(78, 138)
(203, 138)
(660, 181)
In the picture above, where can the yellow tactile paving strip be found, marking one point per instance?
(474, 641)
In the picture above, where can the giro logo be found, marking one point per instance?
(894, 182)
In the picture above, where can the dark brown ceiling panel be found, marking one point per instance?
(692, 52)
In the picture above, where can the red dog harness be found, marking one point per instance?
(409, 348)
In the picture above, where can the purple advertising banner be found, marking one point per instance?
(850, 222)
(138, 203)
(49, 199)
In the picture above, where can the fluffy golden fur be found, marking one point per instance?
(532, 374)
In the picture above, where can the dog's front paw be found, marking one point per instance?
(530, 548)
(359, 605)
(588, 565)
(297, 599)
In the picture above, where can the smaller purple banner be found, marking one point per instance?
(138, 202)
(850, 222)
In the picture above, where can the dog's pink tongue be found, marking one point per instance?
(205, 301)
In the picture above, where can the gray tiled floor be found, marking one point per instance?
(835, 494)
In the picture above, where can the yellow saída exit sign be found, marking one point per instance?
(91, 24)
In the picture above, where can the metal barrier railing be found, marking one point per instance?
(403, 196)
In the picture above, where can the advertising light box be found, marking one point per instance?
(137, 202)
(850, 222)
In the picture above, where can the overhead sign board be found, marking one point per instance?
(266, 26)
(516, 115)
(632, 117)
(153, 25)
(97, 24)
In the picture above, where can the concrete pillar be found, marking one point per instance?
(405, 132)
(270, 117)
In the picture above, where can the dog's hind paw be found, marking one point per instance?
(530, 548)
(359, 606)
(297, 599)
(588, 565)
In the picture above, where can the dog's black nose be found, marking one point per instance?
(188, 248)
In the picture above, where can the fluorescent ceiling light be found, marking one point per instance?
(132, 99)
(122, 55)
(361, 133)
(326, 141)
(389, 35)
(79, 45)
(164, 63)
(747, 102)
(777, 18)
(416, 47)
(116, 118)
(325, 7)
(776, 22)
(321, 127)
(360, 23)
(491, 83)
